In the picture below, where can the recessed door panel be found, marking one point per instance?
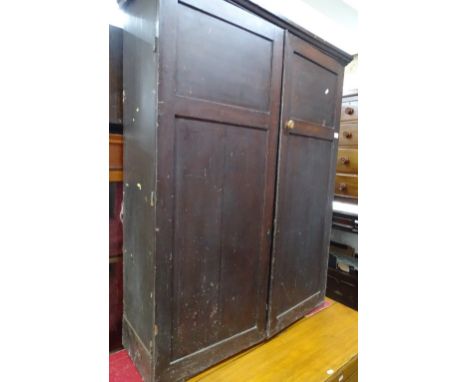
(234, 70)
(301, 222)
(307, 158)
(218, 175)
(313, 91)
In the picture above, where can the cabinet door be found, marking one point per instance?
(220, 84)
(307, 159)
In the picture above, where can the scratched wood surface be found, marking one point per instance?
(217, 150)
(201, 120)
(306, 351)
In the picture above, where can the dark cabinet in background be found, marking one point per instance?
(209, 270)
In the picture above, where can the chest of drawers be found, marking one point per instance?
(346, 181)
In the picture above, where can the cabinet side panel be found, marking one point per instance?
(140, 117)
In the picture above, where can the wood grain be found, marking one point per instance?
(115, 175)
(325, 341)
(115, 158)
(115, 152)
(353, 377)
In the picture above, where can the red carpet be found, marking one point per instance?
(122, 369)
(322, 306)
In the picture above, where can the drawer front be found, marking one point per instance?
(347, 161)
(115, 158)
(346, 185)
(349, 110)
(347, 373)
(115, 152)
(348, 134)
(353, 377)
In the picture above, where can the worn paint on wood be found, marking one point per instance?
(307, 157)
(202, 102)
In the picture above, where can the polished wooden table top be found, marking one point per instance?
(322, 347)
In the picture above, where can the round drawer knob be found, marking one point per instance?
(290, 124)
(347, 134)
(344, 160)
(342, 187)
(349, 111)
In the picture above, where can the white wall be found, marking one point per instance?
(115, 14)
(335, 21)
(351, 78)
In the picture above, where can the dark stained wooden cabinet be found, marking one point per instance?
(230, 121)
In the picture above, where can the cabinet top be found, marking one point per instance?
(283, 22)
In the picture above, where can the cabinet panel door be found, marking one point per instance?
(220, 86)
(307, 159)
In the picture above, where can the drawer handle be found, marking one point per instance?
(290, 124)
(342, 187)
(344, 160)
(349, 111)
(347, 134)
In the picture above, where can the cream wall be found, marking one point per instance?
(335, 21)
(351, 79)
